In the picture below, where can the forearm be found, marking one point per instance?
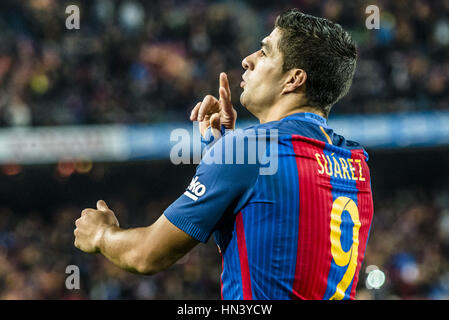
(146, 250)
(126, 249)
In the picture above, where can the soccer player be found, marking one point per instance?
(298, 231)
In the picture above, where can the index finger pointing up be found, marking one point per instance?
(224, 83)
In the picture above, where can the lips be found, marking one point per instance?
(242, 84)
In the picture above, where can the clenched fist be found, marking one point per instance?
(91, 226)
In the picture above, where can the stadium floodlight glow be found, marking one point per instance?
(371, 268)
(375, 279)
(83, 166)
(11, 169)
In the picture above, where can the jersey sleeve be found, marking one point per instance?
(218, 188)
(208, 139)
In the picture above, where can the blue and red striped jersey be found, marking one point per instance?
(290, 205)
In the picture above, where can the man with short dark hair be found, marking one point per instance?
(297, 231)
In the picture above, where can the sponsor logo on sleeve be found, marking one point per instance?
(195, 189)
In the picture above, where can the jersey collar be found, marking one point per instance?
(308, 117)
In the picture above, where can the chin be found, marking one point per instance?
(247, 105)
(242, 99)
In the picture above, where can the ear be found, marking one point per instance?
(296, 78)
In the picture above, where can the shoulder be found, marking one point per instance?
(340, 141)
(231, 155)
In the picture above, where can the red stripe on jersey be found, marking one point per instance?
(366, 209)
(243, 254)
(221, 276)
(313, 258)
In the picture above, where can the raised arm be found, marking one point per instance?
(148, 250)
(145, 250)
(213, 112)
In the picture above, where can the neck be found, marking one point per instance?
(276, 113)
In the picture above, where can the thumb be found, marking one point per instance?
(101, 205)
(215, 125)
(215, 121)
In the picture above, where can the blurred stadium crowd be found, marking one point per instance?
(35, 252)
(409, 241)
(151, 61)
(147, 61)
(36, 236)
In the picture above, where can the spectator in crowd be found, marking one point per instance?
(148, 61)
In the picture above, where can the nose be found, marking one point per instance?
(248, 62)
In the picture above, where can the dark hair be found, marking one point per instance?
(323, 50)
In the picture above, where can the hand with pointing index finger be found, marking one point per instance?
(215, 112)
(91, 226)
